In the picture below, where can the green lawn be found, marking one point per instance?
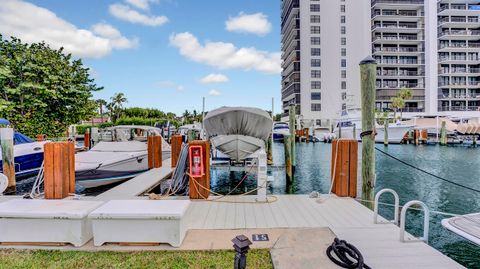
(147, 259)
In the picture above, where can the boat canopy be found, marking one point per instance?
(247, 121)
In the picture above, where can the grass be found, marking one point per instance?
(257, 258)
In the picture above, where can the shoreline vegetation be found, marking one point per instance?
(13, 259)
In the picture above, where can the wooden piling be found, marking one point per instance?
(59, 169)
(385, 137)
(291, 118)
(443, 134)
(344, 167)
(41, 137)
(86, 139)
(287, 141)
(270, 150)
(355, 131)
(368, 70)
(8, 158)
(417, 137)
(195, 191)
(177, 141)
(154, 151)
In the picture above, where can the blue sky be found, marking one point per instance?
(156, 63)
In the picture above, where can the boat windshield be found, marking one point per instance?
(19, 138)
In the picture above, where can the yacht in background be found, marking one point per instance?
(352, 119)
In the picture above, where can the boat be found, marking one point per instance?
(280, 129)
(238, 132)
(351, 121)
(28, 156)
(114, 161)
(467, 226)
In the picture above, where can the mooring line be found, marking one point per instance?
(426, 172)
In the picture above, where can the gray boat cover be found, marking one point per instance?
(246, 121)
(238, 131)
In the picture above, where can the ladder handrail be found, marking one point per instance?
(375, 206)
(426, 221)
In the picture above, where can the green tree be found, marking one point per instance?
(42, 90)
(115, 106)
(397, 104)
(101, 104)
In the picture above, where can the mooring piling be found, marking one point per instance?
(443, 134)
(368, 70)
(385, 135)
(292, 116)
(287, 141)
(8, 158)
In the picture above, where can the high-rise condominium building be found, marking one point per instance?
(428, 46)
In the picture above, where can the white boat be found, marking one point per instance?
(280, 129)
(351, 119)
(238, 131)
(467, 226)
(114, 161)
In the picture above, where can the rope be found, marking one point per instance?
(418, 209)
(347, 255)
(428, 173)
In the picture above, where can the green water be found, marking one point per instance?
(459, 164)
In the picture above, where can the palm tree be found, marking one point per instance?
(101, 103)
(186, 117)
(405, 94)
(116, 105)
(397, 104)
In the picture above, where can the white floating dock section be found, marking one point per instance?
(46, 221)
(140, 221)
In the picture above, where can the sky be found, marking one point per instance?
(164, 54)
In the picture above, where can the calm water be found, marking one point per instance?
(459, 164)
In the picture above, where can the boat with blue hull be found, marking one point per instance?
(280, 129)
(28, 156)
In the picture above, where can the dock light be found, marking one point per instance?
(241, 244)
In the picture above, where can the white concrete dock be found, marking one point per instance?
(346, 218)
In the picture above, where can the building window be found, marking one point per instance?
(344, 106)
(344, 85)
(342, 8)
(315, 40)
(315, 51)
(342, 19)
(316, 63)
(316, 96)
(343, 30)
(316, 107)
(316, 74)
(344, 73)
(315, 8)
(344, 41)
(344, 63)
(315, 29)
(315, 18)
(344, 52)
(316, 85)
(344, 95)
(318, 122)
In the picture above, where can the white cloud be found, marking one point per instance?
(126, 13)
(141, 4)
(214, 78)
(249, 23)
(226, 55)
(32, 23)
(167, 84)
(114, 36)
(214, 93)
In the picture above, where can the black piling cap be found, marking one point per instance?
(368, 60)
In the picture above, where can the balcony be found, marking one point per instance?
(459, 22)
(400, 74)
(459, 60)
(399, 62)
(396, 3)
(459, 46)
(399, 85)
(400, 13)
(459, 108)
(459, 35)
(467, 71)
(396, 39)
(387, 50)
(458, 10)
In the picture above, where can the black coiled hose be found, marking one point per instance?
(347, 255)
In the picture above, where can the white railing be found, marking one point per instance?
(426, 221)
(375, 206)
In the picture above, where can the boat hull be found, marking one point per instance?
(395, 133)
(237, 147)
